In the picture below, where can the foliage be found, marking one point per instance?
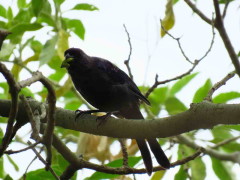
(28, 22)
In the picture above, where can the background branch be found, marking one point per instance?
(126, 62)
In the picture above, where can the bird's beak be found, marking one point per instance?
(65, 63)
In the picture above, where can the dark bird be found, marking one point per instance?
(109, 89)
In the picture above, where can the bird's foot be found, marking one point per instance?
(103, 119)
(79, 113)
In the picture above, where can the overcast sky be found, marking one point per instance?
(105, 37)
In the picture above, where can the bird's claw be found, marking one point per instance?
(103, 119)
(79, 113)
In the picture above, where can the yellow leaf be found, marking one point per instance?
(62, 44)
(35, 57)
(169, 19)
(158, 175)
(15, 71)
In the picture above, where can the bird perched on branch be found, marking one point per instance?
(110, 90)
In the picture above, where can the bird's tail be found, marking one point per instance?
(134, 113)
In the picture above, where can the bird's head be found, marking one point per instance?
(72, 55)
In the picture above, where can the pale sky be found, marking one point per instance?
(105, 37)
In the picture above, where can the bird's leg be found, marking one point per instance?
(102, 119)
(80, 112)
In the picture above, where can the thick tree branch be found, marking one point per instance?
(204, 115)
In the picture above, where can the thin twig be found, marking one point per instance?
(19, 64)
(157, 83)
(198, 12)
(25, 173)
(44, 162)
(22, 150)
(211, 44)
(178, 41)
(14, 90)
(51, 99)
(195, 63)
(234, 157)
(126, 62)
(225, 9)
(80, 163)
(124, 152)
(35, 132)
(218, 85)
(226, 141)
(47, 136)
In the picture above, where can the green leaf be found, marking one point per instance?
(174, 106)
(224, 1)
(41, 174)
(3, 11)
(117, 163)
(181, 174)
(9, 14)
(48, 51)
(13, 163)
(36, 46)
(181, 84)
(225, 97)
(23, 16)
(55, 63)
(7, 50)
(57, 76)
(41, 6)
(58, 2)
(221, 133)
(72, 104)
(7, 177)
(37, 6)
(169, 19)
(2, 24)
(19, 29)
(46, 18)
(198, 169)
(197, 166)
(46, 7)
(62, 163)
(21, 4)
(220, 170)
(27, 92)
(202, 92)
(84, 6)
(76, 26)
(157, 98)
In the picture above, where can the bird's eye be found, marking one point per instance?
(67, 56)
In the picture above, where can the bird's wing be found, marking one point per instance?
(118, 77)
